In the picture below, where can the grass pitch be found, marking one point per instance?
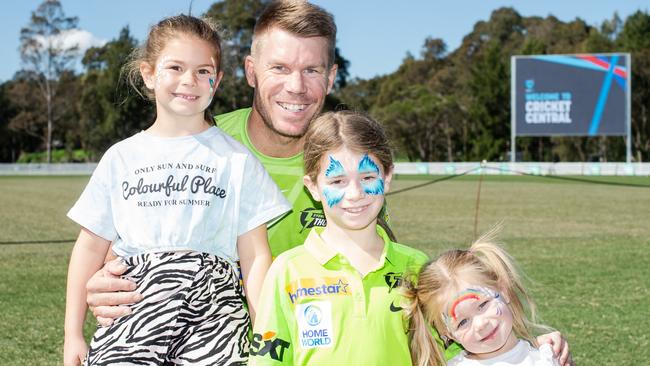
(585, 248)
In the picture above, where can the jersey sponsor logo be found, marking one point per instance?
(315, 324)
(395, 308)
(313, 315)
(393, 280)
(311, 217)
(316, 287)
(268, 345)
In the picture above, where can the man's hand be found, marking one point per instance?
(560, 347)
(107, 293)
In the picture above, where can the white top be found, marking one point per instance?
(154, 194)
(523, 354)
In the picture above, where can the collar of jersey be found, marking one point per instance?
(323, 253)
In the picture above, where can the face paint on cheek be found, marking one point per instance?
(161, 73)
(211, 81)
(333, 195)
(499, 304)
(367, 165)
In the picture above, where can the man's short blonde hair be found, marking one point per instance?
(299, 18)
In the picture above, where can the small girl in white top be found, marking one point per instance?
(181, 202)
(474, 297)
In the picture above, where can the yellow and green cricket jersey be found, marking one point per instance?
(316, 309)
(287, 173)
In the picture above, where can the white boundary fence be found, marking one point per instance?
(47, 169)
(594, 169)
(624, 169)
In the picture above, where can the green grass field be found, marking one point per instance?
(584, 247)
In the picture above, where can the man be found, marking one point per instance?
(291, 68)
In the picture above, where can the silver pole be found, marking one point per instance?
(513, 109)
(628, 155)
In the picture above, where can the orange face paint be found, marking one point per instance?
(473, 293)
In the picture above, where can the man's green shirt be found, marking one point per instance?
(292, 229)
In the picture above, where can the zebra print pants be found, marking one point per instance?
(192, 313)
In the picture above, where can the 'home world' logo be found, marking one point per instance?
(313, 315)
(315, 324)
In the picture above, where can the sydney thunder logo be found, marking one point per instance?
(311, 217)
(393, 280)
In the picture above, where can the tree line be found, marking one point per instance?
(439, 105)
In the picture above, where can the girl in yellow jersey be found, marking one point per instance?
(335, 299)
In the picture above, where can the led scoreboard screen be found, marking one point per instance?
(579, 95)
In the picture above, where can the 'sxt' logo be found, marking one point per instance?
(265, 344)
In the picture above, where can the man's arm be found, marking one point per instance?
(560, 347)
(106, 292)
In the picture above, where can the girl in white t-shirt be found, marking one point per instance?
(181, 203)
(474, 297)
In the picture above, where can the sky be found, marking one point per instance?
(374, 35)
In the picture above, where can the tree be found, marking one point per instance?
(110, 110)
(237, 20)
(7, 138)
(45, 56)
(490, 110)
(424, 124)
(420, 111)
(342, 73)
(635, 38)
(28, 120)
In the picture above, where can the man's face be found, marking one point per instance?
(291, 79)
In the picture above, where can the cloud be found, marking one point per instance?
(82, 39)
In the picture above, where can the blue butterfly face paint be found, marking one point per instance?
(369, 176)
(371, 186)
(334, 169)
(333, 195)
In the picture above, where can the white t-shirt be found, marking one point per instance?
(523, 354)
(154, 194)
